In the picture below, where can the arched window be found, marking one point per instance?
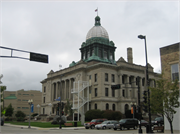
(126, 107)
(107, 106)
(114, 107)
(95, 106)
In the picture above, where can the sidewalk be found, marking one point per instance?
(39, 128)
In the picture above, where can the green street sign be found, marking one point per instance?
(4, 111)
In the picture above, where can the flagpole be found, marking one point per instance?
(97, 11)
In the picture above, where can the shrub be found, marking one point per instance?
(20, 114)
(35, 114)
(20, 119)
(93, 114)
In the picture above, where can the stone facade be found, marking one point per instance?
(100, 76)
(19, 100)
(169, 55)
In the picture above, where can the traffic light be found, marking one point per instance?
(145, 101)
(62, 113)
(62, 106)
(118, 86)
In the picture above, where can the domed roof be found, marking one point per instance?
(97, 30)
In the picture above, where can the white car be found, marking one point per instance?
(106, 124)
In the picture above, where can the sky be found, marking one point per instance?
(58, 28)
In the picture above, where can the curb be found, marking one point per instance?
(40, 128)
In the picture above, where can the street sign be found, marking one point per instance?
(58, 99)
(38, 57)
(4, 112)
(118, 86)
(32, 108)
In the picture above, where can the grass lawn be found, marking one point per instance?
(39, 124)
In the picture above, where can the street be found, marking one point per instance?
(18, 130)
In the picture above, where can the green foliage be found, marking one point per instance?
(93, 114)
(20, 119)
(9, 110)
(20, 114)
(107, 114)
(112, 115)
(68, 108)
(164, 98)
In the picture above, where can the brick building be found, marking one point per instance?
(170, 67)
(19, 100)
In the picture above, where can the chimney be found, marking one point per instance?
(129, 55)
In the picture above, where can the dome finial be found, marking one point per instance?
(97, 21)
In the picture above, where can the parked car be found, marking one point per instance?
(144, 123)
(158, 121)
(93, 123)
(106, 124)
(2, 121)
(126, 123)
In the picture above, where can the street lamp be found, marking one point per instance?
(38, 106)
(147, 82)
(30, 102)
(133, 106)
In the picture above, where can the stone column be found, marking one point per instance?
(127, 87)
(52, 91)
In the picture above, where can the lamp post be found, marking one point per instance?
(133, 106)
(38, 106)
(147, 82)
(30, 102)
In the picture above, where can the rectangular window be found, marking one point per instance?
(18, 107)
(95, 78)
(174, 72)
(106, 77)
(113, 78)
(90, 77)
(123, 79)
(24, 100)
(113, 93)
(25, 107)
(19, 99)
(12, 94)
(44, 89)
(123, 93)
(106, 91)
(143, 81)
(95, 92)
(44, 100)
(25, 94)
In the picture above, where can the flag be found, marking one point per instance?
(96, 10)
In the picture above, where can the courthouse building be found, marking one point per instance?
(87, 83)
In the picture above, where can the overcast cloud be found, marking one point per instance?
(59, 28)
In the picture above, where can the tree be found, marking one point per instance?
(68, 108)
(164, 99)
(9, 110)
(20, 114)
